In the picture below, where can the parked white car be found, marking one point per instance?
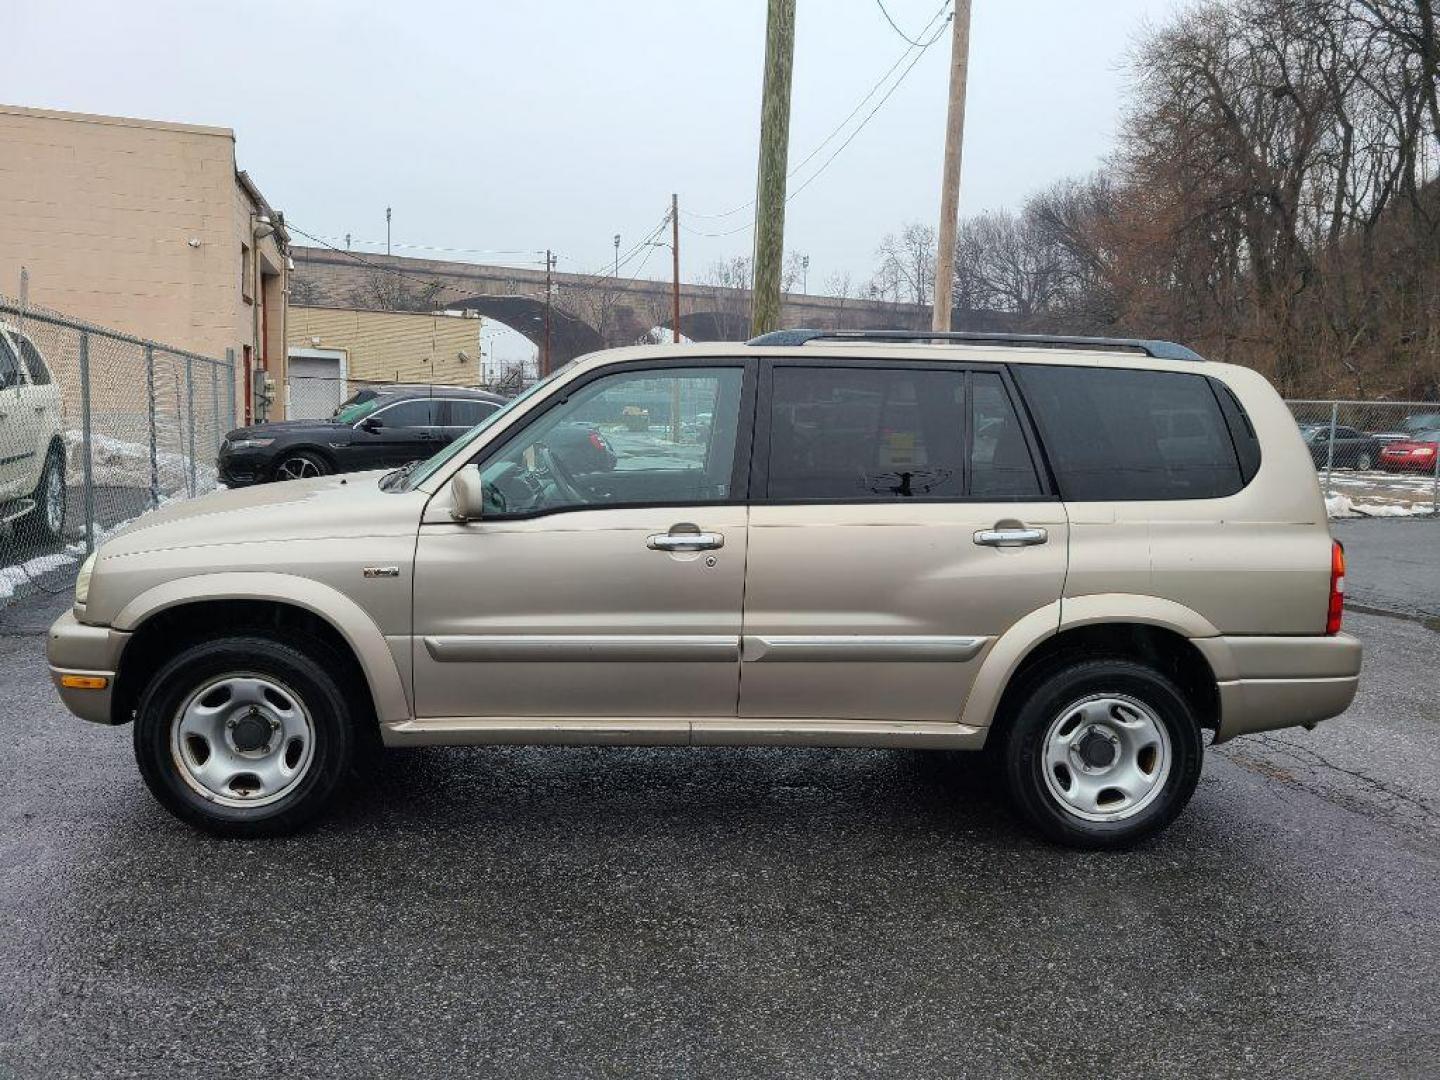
(32, 453)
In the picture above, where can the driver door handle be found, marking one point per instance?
(1010, 537)
(685, 537)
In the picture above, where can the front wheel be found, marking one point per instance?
(301, 465)
(1102, 753)
(244, 736)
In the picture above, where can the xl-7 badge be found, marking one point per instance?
(381, 571)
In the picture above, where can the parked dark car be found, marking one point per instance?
(1353, 449)
(376, 428)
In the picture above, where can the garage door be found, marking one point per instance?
(315, 387)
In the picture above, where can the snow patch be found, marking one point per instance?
(1342, 506)
(22, 573)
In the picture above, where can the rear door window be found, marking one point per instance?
(422, 412)
(855, 434)
(1125, 435)
(465, 413)
(34, 363)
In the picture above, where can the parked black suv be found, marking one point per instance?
(375, 429)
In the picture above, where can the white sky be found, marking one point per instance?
(516, 126)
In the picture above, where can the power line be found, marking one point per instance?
(894, 26)
(924, 46)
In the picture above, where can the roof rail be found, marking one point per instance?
(1160, 350)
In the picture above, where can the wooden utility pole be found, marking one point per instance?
(545, 350)
(950, 178)
(675, 274)
(770, 178)
(675, 312)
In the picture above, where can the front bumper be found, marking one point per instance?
(237, 469)
(75, 648)
(1276, 682)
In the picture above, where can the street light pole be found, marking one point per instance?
(545, 352)
(617, 254)
(387, 230)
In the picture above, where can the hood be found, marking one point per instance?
(329, 506)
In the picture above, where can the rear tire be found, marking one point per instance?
(245, 736)
(48, 517)
(1102, 753)
(1364, 461)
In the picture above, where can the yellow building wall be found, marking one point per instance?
(392, 346)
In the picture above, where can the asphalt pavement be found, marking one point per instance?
(729, 912)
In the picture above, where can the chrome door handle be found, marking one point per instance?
(685, 541)
(1010, 537)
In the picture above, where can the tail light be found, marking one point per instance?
(598, 442)
(1337, 588)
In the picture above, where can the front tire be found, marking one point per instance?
(301, 465)
(1102, 753)
(245, 736)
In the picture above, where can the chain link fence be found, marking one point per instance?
(96, 427)
(1375, 458)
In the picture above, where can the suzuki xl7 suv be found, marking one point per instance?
(1075, 554)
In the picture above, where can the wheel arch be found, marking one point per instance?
(1152, 629)
(248, 598)
(315, 450)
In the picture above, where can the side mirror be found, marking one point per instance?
(467, 495)
(372, 424)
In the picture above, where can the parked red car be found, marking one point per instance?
(1414, 454)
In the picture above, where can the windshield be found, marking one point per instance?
(430, 467)
(357, 408)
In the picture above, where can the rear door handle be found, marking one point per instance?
(679, 538)
(1010, 537)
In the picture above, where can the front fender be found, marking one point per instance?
(348, 618)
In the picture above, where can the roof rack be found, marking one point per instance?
(1160, 350)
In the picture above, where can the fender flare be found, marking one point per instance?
(348, 618)
(1027, 634)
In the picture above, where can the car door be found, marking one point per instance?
(17, 426)
(395, 434)
(900, 526)
(569, 600)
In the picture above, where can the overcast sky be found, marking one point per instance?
(516, 126)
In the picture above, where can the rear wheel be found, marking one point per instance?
(1102, 753)
(1364, 461)
(244, 736)
(49, 513)
(301, 465)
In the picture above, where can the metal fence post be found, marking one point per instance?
(1435, 488)
(154, 431)
(85, 447)
(1330, 449)
(230, 395)
(190, 414)
(215, 406)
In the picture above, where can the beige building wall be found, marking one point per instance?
(392, 346)
(140, 226)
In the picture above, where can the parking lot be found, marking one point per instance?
(705, 912)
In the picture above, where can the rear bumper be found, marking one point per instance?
(75, 648)
(1275, 682)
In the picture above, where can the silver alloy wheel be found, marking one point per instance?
(1106, 757)
(297, 468)
(54, 498)
(243, 740)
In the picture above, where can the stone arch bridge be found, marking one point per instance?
(588, 312)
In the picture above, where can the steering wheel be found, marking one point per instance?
(564, 479)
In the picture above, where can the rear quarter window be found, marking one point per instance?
(1117, 434)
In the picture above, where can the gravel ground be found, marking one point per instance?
(705, 912)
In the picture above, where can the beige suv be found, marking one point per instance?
(1076, 554)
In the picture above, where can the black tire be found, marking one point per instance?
(1056, 692)
(1364, 461)
(41, 525)
(300, 464)
(305, 673)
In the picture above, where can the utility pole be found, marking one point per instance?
(387, 230)
(617, 254)
(770, 173)
(805, 274)
(545, 350)
(675, 312)
(950, 177)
